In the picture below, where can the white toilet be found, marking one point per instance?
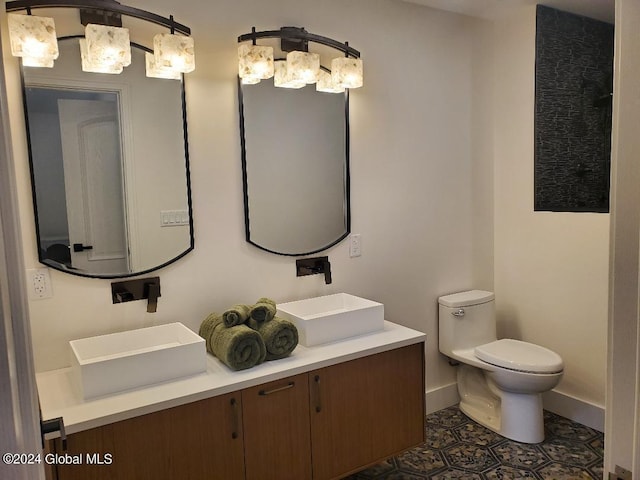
(500, 382)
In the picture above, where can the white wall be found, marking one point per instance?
(551, 269)
(412, 178)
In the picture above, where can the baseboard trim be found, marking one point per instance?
(574, 409)
(559, 403)
(442, 397)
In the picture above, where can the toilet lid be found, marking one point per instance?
(520, 356)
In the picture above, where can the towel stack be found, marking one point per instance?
(247, 335)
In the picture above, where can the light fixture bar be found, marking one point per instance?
(107, 5)
(100, 17)
(296, 33)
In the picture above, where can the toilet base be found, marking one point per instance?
(517, 416)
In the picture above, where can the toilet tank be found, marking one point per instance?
(466, 320)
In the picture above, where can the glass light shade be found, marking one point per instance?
(282, 77)
(347, 72)
(34, 38)
(303, 66)
(37, 62)
(175, 52)
(250, 80)
(325, 84)
(108, 46)
(88, 65)
(255, 61)
(155, 72)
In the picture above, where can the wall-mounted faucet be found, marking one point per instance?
(312, 266)
(138, 289)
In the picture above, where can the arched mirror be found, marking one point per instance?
(109, 167)
(295, 167)
(294, 133)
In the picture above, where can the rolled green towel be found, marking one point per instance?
(280, 337)
(239, 347)
(206, 328)
(263, 310)
(236, 315)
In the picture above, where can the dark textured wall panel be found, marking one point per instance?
(574, 65)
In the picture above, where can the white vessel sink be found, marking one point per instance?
(333, 317)
(119, 361)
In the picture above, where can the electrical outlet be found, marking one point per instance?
(355, 245)
(39, 283)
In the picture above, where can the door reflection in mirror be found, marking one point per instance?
(89, 201)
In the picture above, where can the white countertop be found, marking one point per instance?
(59, 396)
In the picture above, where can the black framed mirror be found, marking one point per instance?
(295, 164)
(109, 167)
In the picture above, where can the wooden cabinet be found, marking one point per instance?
(319, 425)
(366, 410)
(201, 440)
(276, 430)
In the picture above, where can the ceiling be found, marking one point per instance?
(492, 9)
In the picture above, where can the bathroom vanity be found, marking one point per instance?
(322, 413)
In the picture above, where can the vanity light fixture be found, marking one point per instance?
(250, 80)
(346, 72)
(106, 47)
(325, 83)
(155, 71)
(174, 52)
(255, 63)
(91, 65)
(301, 66)
(283, 78)
(34, 39)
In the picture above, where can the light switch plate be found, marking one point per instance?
(174, 218)
(355, 245)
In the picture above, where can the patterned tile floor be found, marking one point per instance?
(458, 448)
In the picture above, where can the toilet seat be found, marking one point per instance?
(519, 356)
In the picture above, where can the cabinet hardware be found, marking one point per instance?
(234, 418)
(54, 425)
(316, 379)
(279, 389)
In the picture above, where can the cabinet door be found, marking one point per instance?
(197, 441)
(366, 410)
(276, 430)
(50, 472)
